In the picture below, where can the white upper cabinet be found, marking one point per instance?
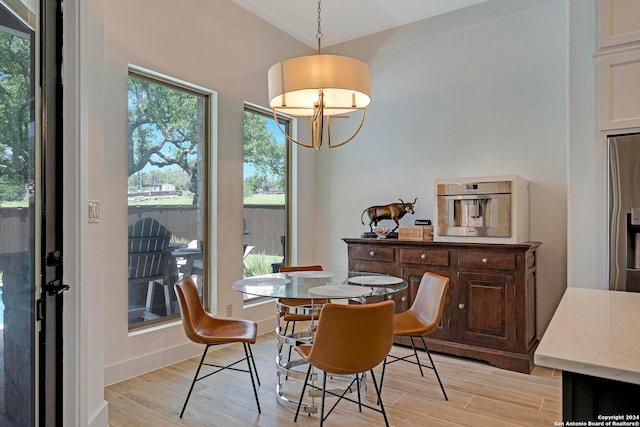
(619, 22)
(618, 64)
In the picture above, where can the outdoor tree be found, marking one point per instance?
(265, 154)
(15, 116)
(164, 128)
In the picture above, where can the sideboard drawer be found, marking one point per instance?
(424, 256)
(374, 253)
(499, 261)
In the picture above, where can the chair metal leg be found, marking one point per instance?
(378, 391)
(417, 362)
(324, 392)
(384, 367)
(286, 328)
(253, 383)
(343, 395)
(253, 360)
(195, 378)
(358, 387)
(293, 331)
(434, 369)
(251, 370)
(306, 380)
(415, 353)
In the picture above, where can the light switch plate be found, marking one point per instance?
(94, 211)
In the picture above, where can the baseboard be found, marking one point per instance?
(167, 356)
(101, 417)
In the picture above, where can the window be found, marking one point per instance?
(168, 130)
(265, 192)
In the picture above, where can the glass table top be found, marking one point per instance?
(320, 285)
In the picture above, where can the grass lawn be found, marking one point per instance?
(18, 204)
(265, 199)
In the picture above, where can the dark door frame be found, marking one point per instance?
(50, 372)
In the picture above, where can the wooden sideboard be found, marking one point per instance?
(490, 309)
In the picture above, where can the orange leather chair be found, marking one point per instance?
(421, 319)
(288, 315)
(349, 340)
(293, 310)
(202, 328)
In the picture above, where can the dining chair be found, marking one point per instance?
(421, 319)
(202, 328)
(287, 306)
(349, 340)
(292, 310)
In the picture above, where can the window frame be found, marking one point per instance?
(289, 125)
(208, 180)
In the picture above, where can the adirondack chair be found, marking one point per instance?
(150, 263)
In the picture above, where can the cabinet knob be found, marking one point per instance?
(390, 297)
(485, 260)
(404, 299)
(423, 257)
(461, 306)
(372, 253)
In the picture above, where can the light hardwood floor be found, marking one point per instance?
(479, 395)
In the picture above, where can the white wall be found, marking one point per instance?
(215, 45)
(471, 93)
(587, 220)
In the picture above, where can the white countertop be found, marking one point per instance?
(594, 332)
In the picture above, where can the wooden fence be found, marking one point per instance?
(265, 228)
(16, 225)
(264, 225)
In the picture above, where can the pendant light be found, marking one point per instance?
(320, 87)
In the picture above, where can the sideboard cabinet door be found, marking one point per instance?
(485, 311)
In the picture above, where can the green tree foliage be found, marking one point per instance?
(265, 154)
(15, 115)
(164, 128)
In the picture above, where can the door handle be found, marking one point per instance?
(54, 287)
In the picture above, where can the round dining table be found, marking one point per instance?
(320, 285)
(345, 286)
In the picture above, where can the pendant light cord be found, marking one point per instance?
(319, 33)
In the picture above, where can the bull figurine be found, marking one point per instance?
(394, 211)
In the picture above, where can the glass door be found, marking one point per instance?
(17, 219)
(30, 254)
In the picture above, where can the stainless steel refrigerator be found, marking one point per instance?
(624, 212)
